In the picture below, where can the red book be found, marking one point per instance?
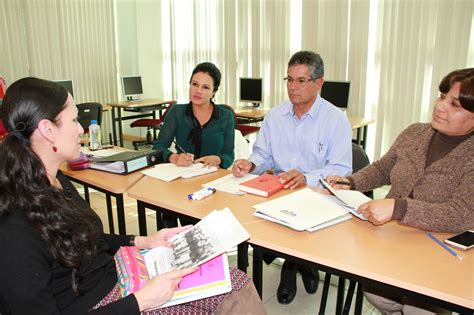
(265, 185)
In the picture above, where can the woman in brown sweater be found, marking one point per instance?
(430, 168)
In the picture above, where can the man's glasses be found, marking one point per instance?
(298, 81)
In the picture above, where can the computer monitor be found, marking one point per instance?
(251, 90)
(67, 84)
(336, 92)
(132, 86)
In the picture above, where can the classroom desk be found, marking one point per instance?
(172, 197)
(252, 115)
(108, 183)
(401, 259)
(150, 105)
(360, 125)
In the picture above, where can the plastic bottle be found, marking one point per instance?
(94, 135)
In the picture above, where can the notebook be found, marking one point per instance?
(169, 171)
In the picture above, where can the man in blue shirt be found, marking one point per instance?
(303, 139)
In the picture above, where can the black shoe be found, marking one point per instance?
(287, 289)
(310, 277)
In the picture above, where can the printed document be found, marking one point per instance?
(302, 210)
(169, 171)
(230, 183)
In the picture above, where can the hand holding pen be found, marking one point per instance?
(338, 182)
(242, 167)
(181, 159)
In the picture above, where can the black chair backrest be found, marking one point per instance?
(88, 112)
(359, 161)
(236, 121)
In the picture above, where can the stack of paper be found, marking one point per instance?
(229, 183)
(169, 171)
(349, 199)
(303, 210)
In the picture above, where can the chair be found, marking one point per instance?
(243, 128)
(150, 124)
(88, 112)
(359, 161)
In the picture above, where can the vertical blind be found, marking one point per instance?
(393, 52)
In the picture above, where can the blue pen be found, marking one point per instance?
(452, 252)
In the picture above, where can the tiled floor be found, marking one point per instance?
(303, 304)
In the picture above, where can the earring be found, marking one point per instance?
(55, 149)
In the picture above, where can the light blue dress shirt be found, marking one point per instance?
(318, 144)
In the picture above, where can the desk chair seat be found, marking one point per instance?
(247, 129)
(151, 125)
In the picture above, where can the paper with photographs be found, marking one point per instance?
(215, 234)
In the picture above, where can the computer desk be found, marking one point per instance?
(253, 115)
(108, 183)
(401, 259)
(151, 105)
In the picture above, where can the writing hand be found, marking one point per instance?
(182, 159)
(338, 182)
(242, 167)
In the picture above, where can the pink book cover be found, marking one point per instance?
(209, 272)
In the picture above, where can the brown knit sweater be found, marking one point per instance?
(442, 194)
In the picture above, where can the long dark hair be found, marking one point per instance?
(70, 232)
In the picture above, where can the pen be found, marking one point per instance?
(444, 246)
(343, 183)
(179, 147)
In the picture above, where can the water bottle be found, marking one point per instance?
(94, 135)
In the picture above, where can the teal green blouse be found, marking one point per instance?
(216, 137)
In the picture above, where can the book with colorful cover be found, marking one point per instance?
(204, 245)
(265, 185)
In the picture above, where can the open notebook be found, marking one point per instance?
(169, 171)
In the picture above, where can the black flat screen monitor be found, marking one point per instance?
(251, 90)
(336, 92)
(67, 84)
(132, 86)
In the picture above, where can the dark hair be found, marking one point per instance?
(312, 60)
(212, 70)
(70, 232)
(466, 92)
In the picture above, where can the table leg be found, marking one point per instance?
(257, 269)
(141, 218)
(359, 299)
(349, 295)
(86, 195)
(324, 295)
(120, 214)
(340, 295)
(120, 126)
(364, 140)
(110, 215)
(242, 256)
(358, 136)
(114, 127)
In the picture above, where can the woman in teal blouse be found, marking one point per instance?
(204, 130)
